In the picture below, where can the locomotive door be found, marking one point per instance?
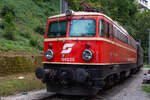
(106, 32)
(109, 36)
(114, 47)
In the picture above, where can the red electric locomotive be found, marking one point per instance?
(85, 52)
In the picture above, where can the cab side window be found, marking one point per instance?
(101, 28)
(107, 30)
(115, 32)
(111, 31)
(104, 30)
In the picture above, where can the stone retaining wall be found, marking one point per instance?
(19, 64)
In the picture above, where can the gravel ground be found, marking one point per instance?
(34, 95)
(129, 90)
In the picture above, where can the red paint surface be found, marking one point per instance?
(103, 51)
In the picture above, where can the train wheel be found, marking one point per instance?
(116, 78)
(134, 71)
(122, 77)
(109, 82)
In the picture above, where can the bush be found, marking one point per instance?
(9, 31)
(26, 34)
(1, 33)
(7, 9)
(34, 41)
(9, 26)
(10, 35)
(40, 46)
(40, 30)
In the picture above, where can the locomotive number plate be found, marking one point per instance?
(67, 59)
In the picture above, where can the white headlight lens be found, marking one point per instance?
(49, 54)
(87, 55)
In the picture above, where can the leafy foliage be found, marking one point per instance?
(146, 88)
(34, 41)
(25, 20)
(9, 26)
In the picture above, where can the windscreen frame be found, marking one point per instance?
(53, 20)
(84, 19)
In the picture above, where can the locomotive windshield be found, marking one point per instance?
(57, 29)
(83, 28)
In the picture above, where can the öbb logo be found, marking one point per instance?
(67, 48)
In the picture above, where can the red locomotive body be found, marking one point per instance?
(85, 52)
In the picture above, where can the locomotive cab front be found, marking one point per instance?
(69, 52)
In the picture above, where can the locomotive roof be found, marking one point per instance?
(90, 13)
(94, 14)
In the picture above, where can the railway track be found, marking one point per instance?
(99, 96)
(128, 90)
(64, 97)
(45, 96)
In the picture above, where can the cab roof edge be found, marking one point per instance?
(89, 13)
(78, 13)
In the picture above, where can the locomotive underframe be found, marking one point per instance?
(95, 81)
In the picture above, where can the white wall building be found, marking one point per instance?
(142, 3)
(148, 4)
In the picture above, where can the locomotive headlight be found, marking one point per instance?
(87, 55)
(49, 54)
